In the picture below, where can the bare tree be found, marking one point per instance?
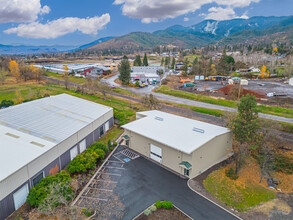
(150, 102)
(2, 76)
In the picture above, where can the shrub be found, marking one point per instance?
(158, 204)
(231, 173)
(147, 212)
(109, 143)
(111, 148)
(87, 160)
(100, 146)
(283, 164)
(167, 205)
(6, 103)
(39, 193)
(115, 144)
(153, 208)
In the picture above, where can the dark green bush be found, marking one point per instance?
(111, 148)
(40, 192)
(100, 146)
(115, 144)
(231, 173)
(158, 204)
(6, 103)
(283, 164)
(87, 160)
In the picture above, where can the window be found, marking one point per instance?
(101, 131)
(107, 126)
(38, 178)
(73, 153)
(186, 172)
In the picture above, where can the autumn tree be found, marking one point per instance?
(145, 60)
(137, 61)
(25, 72)
(245, 128)
(150, 102)
(14, 69)
(124, 69)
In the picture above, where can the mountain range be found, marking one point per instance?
(253, 30)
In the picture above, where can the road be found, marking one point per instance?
(177, 100)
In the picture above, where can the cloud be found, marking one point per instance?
(60, 27)
(21, 10)
(219, 14)
(186, 19)
(153, 10)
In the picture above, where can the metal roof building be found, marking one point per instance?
(186, 146)
(40, 138)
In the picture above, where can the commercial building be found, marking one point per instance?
(186, 146)
(148, 69)
(41, 137)
(149, 78)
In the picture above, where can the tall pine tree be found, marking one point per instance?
(124, 69)
(137, 61)
(145, 60)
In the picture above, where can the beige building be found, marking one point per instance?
(186, 146)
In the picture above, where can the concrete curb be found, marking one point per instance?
(212, 201)
(94, 176)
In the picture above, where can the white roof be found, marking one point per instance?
(30, 129)
(178, 132)
(53, 118)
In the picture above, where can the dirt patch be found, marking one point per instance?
(226, 90)
(164, 214)
(275, 204)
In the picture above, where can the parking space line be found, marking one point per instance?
(87, 192)
(87, 197)
(114, 174)
(115, 161)
(118, 158)
(110, 190)
(116, 167)
(109, 181)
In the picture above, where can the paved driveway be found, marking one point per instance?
(130, 187)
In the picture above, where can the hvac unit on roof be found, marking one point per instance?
(198, 130)
(159, 118)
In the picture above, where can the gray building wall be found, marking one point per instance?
(61, 161)
(209, 154)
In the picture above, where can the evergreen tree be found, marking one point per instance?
(167, 61)
(173, 63)
(162, 61)
(124, 69)
(137, 61)
(195, 61)
(145, 60)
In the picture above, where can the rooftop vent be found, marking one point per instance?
(198, 130)
(37, 144)
(159, 118)
(48, 138)
(24, 130)
(12, 135)
(3, 123)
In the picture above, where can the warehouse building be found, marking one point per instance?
(186, 146)
(41, 137)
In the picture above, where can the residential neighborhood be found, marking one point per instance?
(146, 110)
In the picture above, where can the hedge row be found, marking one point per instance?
(39, 193)
(164, 204)
(88, 159)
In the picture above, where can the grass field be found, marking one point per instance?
(111, 135)
(191, 57)
(74, 79)
(273, 110)
(239, 197)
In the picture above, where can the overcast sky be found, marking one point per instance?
(76, 22)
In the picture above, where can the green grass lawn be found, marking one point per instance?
(239, 198)
(273, 110)
(191, 57)
(74, 79)
(111, 135)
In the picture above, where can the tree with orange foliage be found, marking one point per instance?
(14, 69)
(36, 72)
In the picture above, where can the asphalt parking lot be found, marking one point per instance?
(121, 190)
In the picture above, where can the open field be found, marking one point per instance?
(273, 110)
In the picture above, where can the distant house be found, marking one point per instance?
(186, 146)
(253, 70)
(179, 66)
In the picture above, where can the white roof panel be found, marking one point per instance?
(178, 132)
(53, 118)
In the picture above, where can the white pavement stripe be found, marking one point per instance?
(87, 197)
(115, 167)
(112, 161)
(110, 190)
(105, 181)
(113, 174)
